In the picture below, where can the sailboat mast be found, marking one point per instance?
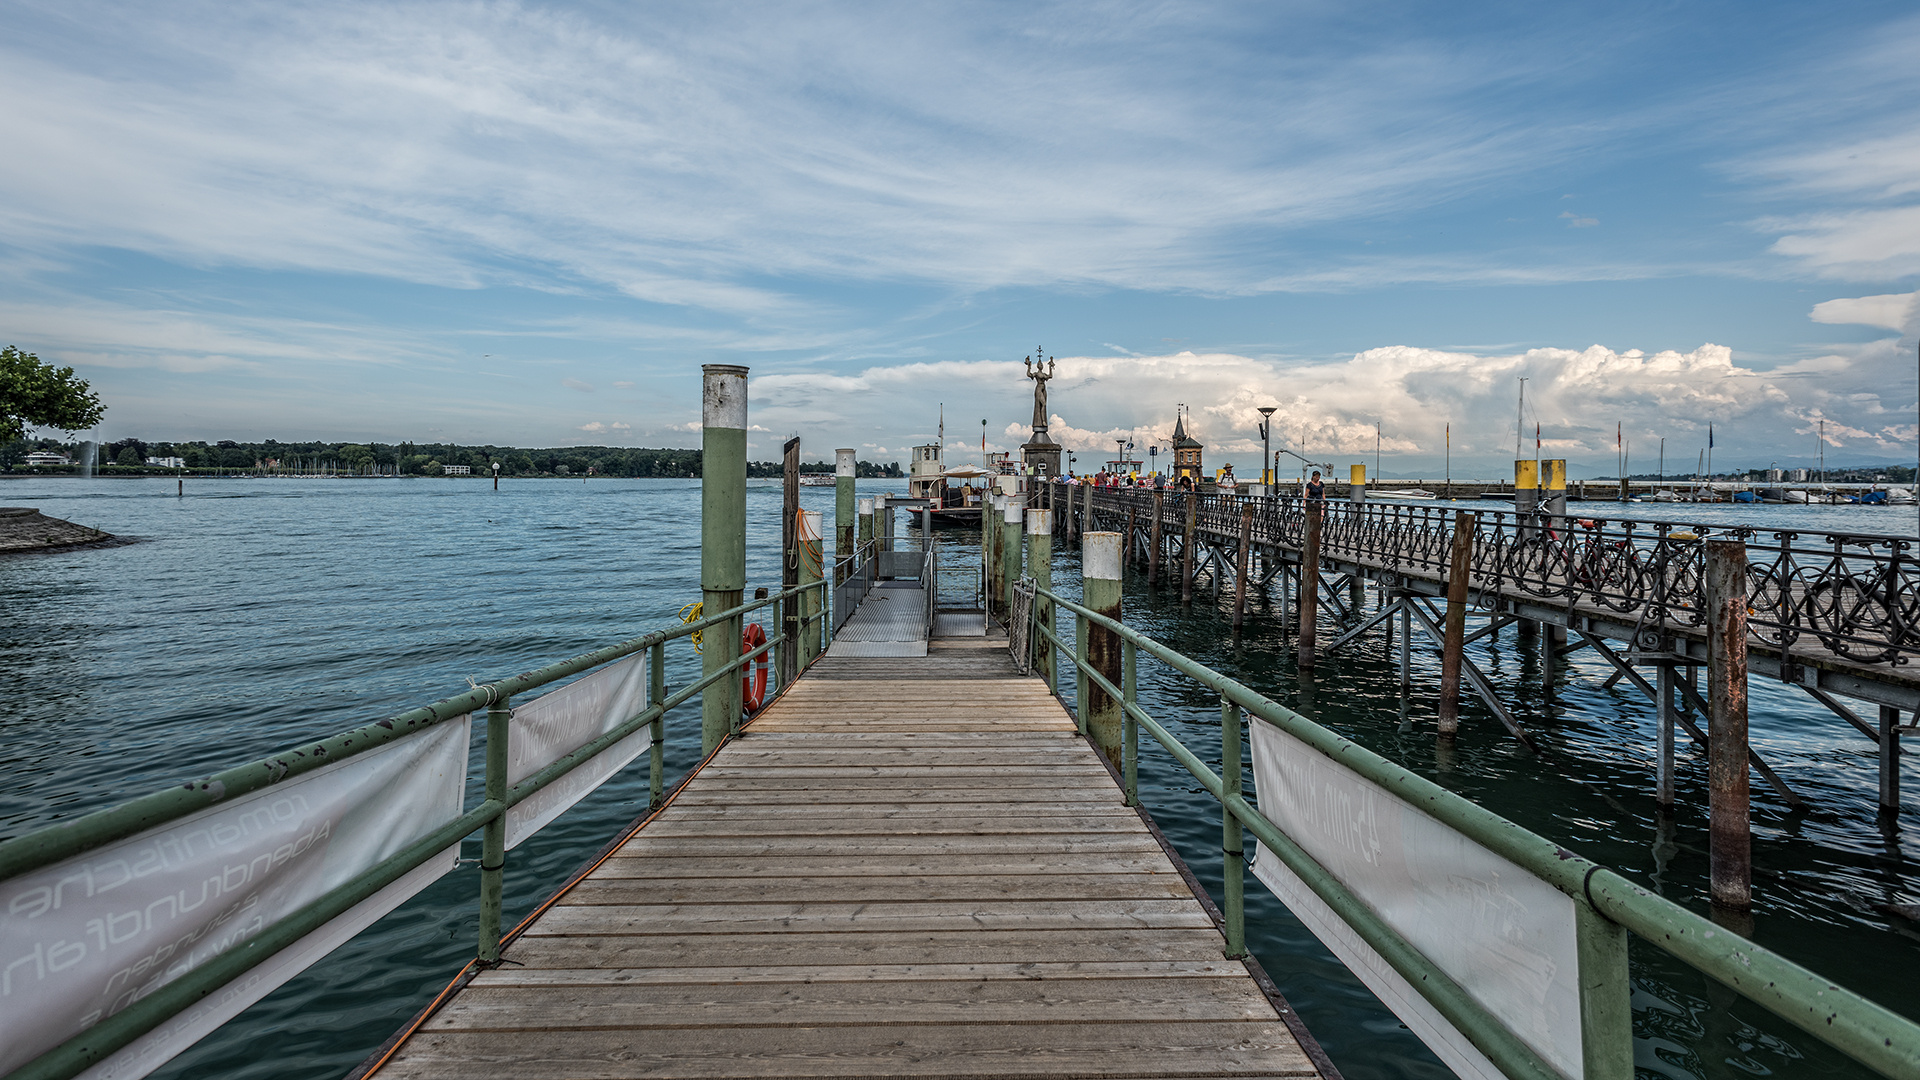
(1520, 419)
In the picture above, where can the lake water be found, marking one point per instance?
(260, 613)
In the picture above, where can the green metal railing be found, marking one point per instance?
(55, 843)
(1607, 906)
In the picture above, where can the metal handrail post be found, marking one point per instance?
(1232, 849)
(493, 836)
(1080, 684)
(1130, 684)
(657, 731)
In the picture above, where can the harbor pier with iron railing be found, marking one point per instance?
(914, 842)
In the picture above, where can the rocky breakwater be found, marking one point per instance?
(23, 529)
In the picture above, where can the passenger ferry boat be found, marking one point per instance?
(929, 478)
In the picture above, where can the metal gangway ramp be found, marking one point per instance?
(903, 867)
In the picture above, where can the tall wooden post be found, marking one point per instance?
(790, 562)
(1192, 499)
(1454, 633)
(1126, 547)
(1153, 541)
(991, 538)
(723, 539)
(811, 571)
(1086, 515)
(1310, 587)
(1101, 573)
(1730, 849)
(1243, 570)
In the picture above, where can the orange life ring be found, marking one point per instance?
(753, 680)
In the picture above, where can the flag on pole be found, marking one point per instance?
(1536, 438)
(1709, 436)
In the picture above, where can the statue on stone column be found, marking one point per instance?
(1040, 373)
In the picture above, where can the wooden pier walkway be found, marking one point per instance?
(904, 867)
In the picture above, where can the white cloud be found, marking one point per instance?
(1578, 221)
(1329, 408)
(683, 160)
(1889, 311)
(576, 384)
(593, 426)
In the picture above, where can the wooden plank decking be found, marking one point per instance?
(906, 867)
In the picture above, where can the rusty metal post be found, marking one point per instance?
(1453, 636)
(1086, 516)
(1153, 541)
(1242, 570)
(1186, 549)
(1309, 587)
(1126, 547)
(1101, 572)
(1730, 847)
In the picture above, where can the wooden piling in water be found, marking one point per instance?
(1889, 759)
(1730, 850)
(1154, 540)
(1186, 549)
(1309, 587)
(1454, 633)
(1240, 582)
(1663, 757)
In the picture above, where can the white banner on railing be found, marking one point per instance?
(555, 724)
(82, 939)
(1504, 935)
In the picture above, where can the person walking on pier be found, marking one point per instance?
(1316, 488)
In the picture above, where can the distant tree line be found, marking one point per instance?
(404, 459)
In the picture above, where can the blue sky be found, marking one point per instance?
(530, 224)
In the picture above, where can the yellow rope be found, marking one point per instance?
(691, 613)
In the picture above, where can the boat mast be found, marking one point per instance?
(1520, 419)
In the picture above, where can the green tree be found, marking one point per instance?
(129, 456)
(37, 394)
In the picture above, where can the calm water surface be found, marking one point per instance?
(260, 613)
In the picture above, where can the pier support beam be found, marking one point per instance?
(1730, 850)
(723, 538)
(1155, 539)
(843, 470)
(1453, 638)
(1889, 759)
(865, 514)
(1309, 587)
(1192, 500)
(1663, 767)
(1100, 569)
(1241, 578)
(1040, 565)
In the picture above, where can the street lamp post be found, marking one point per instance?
(1266, 443)
(1153, 460)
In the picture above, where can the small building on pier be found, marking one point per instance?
(1186, 452)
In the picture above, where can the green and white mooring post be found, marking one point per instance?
(1040, 565)
(1009, 549)
(1100, 590)
(723, 539)
(843, 471)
